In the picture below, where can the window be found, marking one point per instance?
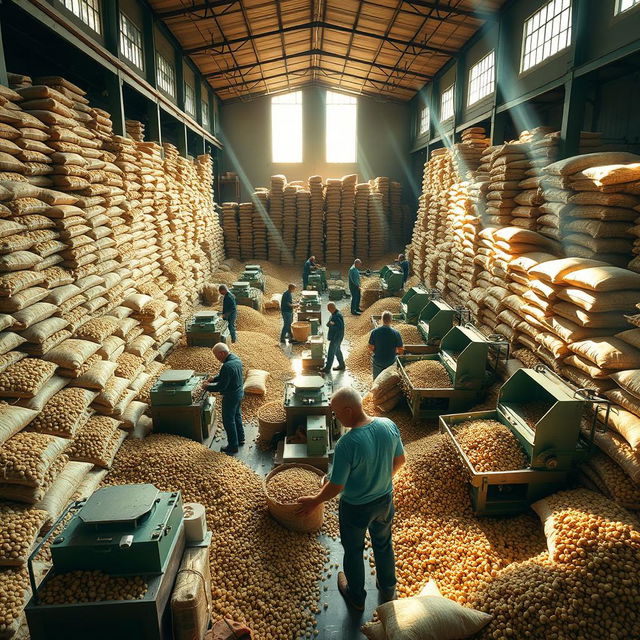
(623, 5)
(482, 79)
(546, 32)
(341, 127)
(286, 127)
(189, 99)
(131, 41)
(423, 123)
(205, 114)
(166, 77)
(446, 104)
(87, 10)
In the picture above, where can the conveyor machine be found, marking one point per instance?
(544, 412)
(126, 530)
(465, 354)
(415, 300)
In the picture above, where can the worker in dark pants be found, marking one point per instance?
(404, 265)
(364, 462)
(354, 287)
(385, 343)
(335, 335)
(229, 310)
(229, 382)
(286, 308)
(308, 267)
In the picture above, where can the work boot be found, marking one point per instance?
(343, 588)
(229, 451)
(340, 367)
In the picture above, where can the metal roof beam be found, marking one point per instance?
(478, 14)
(323, 25)
(195, 8)
(319, 52)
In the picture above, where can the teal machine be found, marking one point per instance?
(317, 279)
(181, 405)
(415, 300)
(306, 404)
(313, 358)
(391, 277)
(437, 318)
(336, 286)
(544, 412)
(254, 276)
(206, 328)
(247, 295)
(126, 530)
(309, 307)
(465, 354)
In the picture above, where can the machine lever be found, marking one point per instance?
(126, 542)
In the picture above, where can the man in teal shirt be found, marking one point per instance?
(364, 463)
(354, 287)
(385, 343)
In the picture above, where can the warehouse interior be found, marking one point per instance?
(319, 319)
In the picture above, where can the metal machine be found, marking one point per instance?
(309, 417)
(391, 278)
(313, 358)
(181, 405)
(465, 354)
(127, 530)
(254, 276)
(309, 307)
(247, 295)
(336, 286)
(437, 318)
(206, 329)
(544, 412)
(317, 279)
(415, 300)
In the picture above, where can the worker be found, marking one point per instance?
(385, 343)
(354, 287)
(404, 265)
(309, 266)
(364, 461)
(286, 308)
(229, 310)
(335, 335)
(229, 382)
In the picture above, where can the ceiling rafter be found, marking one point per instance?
(478, 14)
(195, 8)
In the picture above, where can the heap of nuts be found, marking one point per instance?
(428, 374)
(63, 414)
(14, 589)
(26, 377)
(490, 446)
(287, 486)
(19, 527)
(91, 586)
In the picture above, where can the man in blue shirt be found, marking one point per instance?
(229, 382)
(335, 335)
(309, 266)
(229, 310)
(364, 463)
(385, 343)
(404, 265)
(354, 287)
(286, 308)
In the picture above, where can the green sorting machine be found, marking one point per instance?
(254, 276)
(206, 329)
(247, 295)
(126, 530)
(415, 300)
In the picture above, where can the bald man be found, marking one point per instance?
(354, 287)
(364, 462)
(229, 382)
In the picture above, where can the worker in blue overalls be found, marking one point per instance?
(286, 308)
(335, 335)
(229, 310)
(354, 287)
(309, 266)
(404, 265)
(229, 382)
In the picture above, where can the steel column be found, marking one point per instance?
(154, 127)
(183, 147)
(3, 65)
(113, 85)
(149, 46)
(111, 23)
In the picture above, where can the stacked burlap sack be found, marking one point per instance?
(386, 391)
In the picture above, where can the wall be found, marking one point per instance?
(383, 142)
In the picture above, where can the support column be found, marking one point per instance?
(499, 120)
(116, 102)
(458, 98)
(3, 66)
(198, 98)
(111, 24)
(149, 42)
(575, 96)
(154, 127)
(179, 80)
(182, 139)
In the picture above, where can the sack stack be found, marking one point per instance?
(332, 196)
(135, 130)
(362, 189)
(245, 229)
(377, 224)
(276, 212)
(303, 222)
(347, 216)
(260, 201)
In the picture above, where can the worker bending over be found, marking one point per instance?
(354, 287)
(385, 343)
(309, 266)
(229, 310)
(335, 335)
(286, 308)
(229, 383)
(364, 462)
(404, 265)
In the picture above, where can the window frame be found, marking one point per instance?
(480, 80)
(124, 19)
(192, 111)
(618, 11)
(93, 6)
(543, 42)
(279, 100)
(426, 112)
(351, 101)
(449, 90)
(161, 61)
(204, 113)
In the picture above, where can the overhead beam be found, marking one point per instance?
(478, 14)
(203, 6)
(321, 25)
(319, 52)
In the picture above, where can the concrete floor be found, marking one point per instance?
(337, 621)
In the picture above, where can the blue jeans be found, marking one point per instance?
(305, 281)
(355, 519)
(355, 298)
(334, 352)
(232, 419)
(287, 319)
(231, 320)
